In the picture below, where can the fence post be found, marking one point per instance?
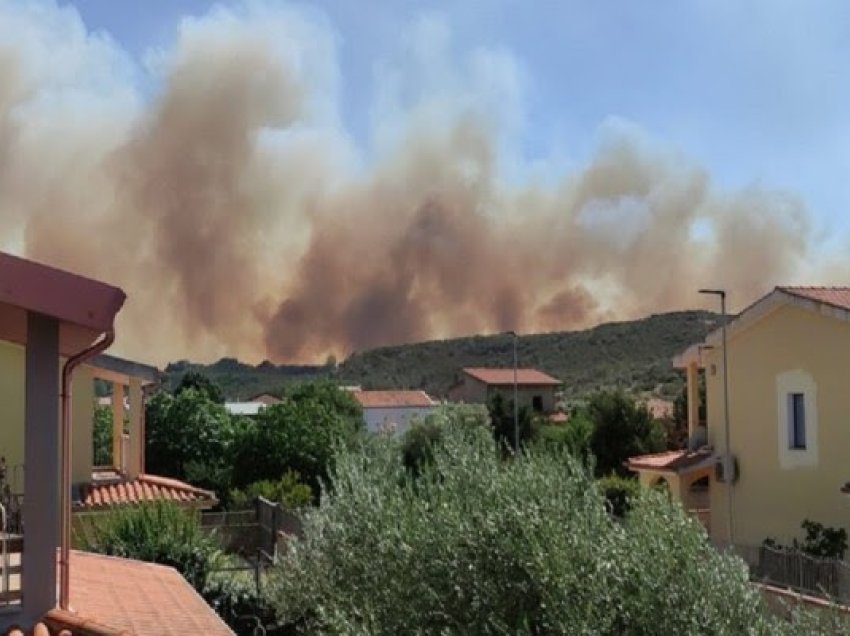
(258, 565)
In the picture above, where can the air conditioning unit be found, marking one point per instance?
(720, 471)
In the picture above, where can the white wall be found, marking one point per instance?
(379, 418)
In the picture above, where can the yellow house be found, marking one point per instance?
(788, 422)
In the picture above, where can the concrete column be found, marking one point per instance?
(82, 434)
(117, 424)
(693, 399)
(41, 466)
(135, 450)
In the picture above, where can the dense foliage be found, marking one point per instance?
(201, 383)
(189, 436)
(288, 491)
(298, 434)
(509, 427)
(417, 444)
(102, 436)
(478, 545)
(619, 493)
(819, 541)
(633, 355)
(622, 428)
(158, 532)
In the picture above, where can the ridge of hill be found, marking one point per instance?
(635, 355)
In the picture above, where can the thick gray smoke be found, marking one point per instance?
(225, 203)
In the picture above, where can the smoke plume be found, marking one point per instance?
(223, 193)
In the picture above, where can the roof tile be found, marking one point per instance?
(145, 488)
(388, 399)
(505, 376)
(835, 296)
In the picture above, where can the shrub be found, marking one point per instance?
(619, 492)
(574, 436)
(288, 491)
(158, 532)
(478, 545)
(241, 606)
(820, 541)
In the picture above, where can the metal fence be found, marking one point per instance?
(798, 571)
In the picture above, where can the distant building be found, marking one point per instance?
(392, 411)
(266, 398)
(535, 389)
(244, 408)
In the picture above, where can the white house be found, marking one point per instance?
(393, 410)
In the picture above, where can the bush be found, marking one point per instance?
(619, 492)
(241, 606)
(288, 491)
(159, 532)
(486, 546)
(418, 442)
(574, 436)
(622, 428)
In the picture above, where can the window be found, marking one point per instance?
(797, 421)
(537, 403)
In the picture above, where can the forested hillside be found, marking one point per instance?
(635, 355)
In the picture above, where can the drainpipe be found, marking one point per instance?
(65, 481)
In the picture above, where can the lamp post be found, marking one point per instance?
(727, 459)
(516, 393)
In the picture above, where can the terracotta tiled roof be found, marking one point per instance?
(559, 417)
(143, 489)
(835, 296)
(506, 376)
(389, 399)
(670, 461)
(134, 597)
(266, 398)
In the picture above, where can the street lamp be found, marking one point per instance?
(727, 459)
(516, 393)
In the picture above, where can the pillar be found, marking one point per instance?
(42, 466)
(117, 425)
(133, 462)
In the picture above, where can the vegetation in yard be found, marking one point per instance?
(159, 532)
(622, 428)
(573, 436)
(298, 434)
(820, 541)
(418, 442)
(479, 545)
(619, 493)
(288, 491)
(102, 438)
(502, 421)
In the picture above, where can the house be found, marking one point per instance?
(393, 411)
(52, 324)
(789, 434)
(266, 398)
(535, 389)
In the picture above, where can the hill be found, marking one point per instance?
(635, 355)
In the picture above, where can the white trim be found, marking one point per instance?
(796, 381)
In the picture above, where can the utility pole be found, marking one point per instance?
(728, 466)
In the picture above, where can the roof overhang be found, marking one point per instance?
(84, 308)
(676, 462)
(120, 371)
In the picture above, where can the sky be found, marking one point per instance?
(756, 91)
(290, 180)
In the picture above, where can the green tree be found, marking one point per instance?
(102, 436)
(189, 436)
(418, 442)
(502, 420)
(341, 402)
(158, 532)
(199, 382)
(622, 428)
(483, 546)
(288, 491)
(298, 434)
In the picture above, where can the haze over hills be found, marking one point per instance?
(635, 355)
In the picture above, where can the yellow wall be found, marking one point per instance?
(769, 499)
(12, 388)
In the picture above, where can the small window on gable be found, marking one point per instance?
(796, 421)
